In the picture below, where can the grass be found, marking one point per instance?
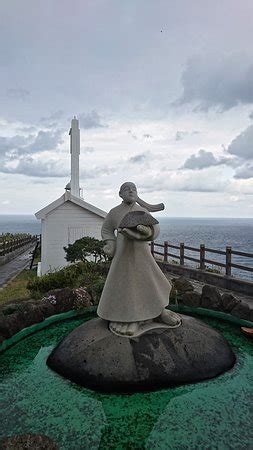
(17, 290)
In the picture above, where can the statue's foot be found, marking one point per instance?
(170, 318)
(123, 328)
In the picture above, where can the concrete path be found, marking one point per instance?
(14, 267)
(199, 285)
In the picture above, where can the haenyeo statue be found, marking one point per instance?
(136, 292)
(145, 346)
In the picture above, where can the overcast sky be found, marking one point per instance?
(163, 91)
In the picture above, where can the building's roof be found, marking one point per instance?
(67, 197)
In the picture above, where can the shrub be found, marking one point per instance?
(66, 277)
(90, 275)
(84, 248)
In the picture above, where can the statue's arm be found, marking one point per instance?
(155, 232)
(142, 232)
(108, 235)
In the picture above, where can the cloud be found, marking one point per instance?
(30, 129)
(147, 136)
(8, 144)
(20, 145)
(90, 120)
(29, 166)
(202, 160)
(52, 117)
(132, 134)
(207, 180)
(18, 94)
(138, 159)
(180, 135)
(251, 115)
(44, 141)
(87, 149)
(245, 172)
(242, 145)
(211, 81)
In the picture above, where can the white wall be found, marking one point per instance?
(64, 226)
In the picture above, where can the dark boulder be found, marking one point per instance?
(229, 302)
(242, 310)
(192, 299)
(95, 358)
(211, 298)
(182, 285)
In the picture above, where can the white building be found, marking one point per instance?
(69, 217)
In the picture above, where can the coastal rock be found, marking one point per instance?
(229, 302)
(242, 310)
(182, 285)
(28, 442)
(192, 299)
(211, 298)
(16, 316)
(95, 358)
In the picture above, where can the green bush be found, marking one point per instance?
(66, 277)
(90, 275)
(84, 248)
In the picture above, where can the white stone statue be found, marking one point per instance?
(136, 291)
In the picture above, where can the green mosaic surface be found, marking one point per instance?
(216, 414)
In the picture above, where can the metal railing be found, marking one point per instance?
(12, 244)
(201, 260)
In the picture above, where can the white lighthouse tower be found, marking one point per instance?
(69, 217)
(74, 133)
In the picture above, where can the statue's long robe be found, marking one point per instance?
(135, 288)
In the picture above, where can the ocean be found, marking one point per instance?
(214, 233)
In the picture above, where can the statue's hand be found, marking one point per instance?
(142, 233)
(109, 248)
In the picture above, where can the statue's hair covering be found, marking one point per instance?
(148, 206)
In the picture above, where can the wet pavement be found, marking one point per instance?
(15, 266)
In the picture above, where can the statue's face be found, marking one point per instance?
(128, 193)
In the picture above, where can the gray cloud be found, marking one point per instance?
(52, 117)
(90, 120)
(180, 135)
(36, 168)
(44, 141)
(96, 171)
(251, 115)
(223, 82)
(242, 145)
(8, 144)
(88, 149)
(245, 172)
(132, 134)
(202, 160)
(138, 159)
(20, 145)
(30, 129)
(18, 94)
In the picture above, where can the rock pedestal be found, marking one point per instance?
(95, 358)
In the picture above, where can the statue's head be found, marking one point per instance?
(128, 192)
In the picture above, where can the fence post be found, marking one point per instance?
(152, 245)
(202, 257)
(166, 251)
(228, 261)
(181, 253)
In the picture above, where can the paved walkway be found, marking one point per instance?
(13, 267)
(199, 285)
